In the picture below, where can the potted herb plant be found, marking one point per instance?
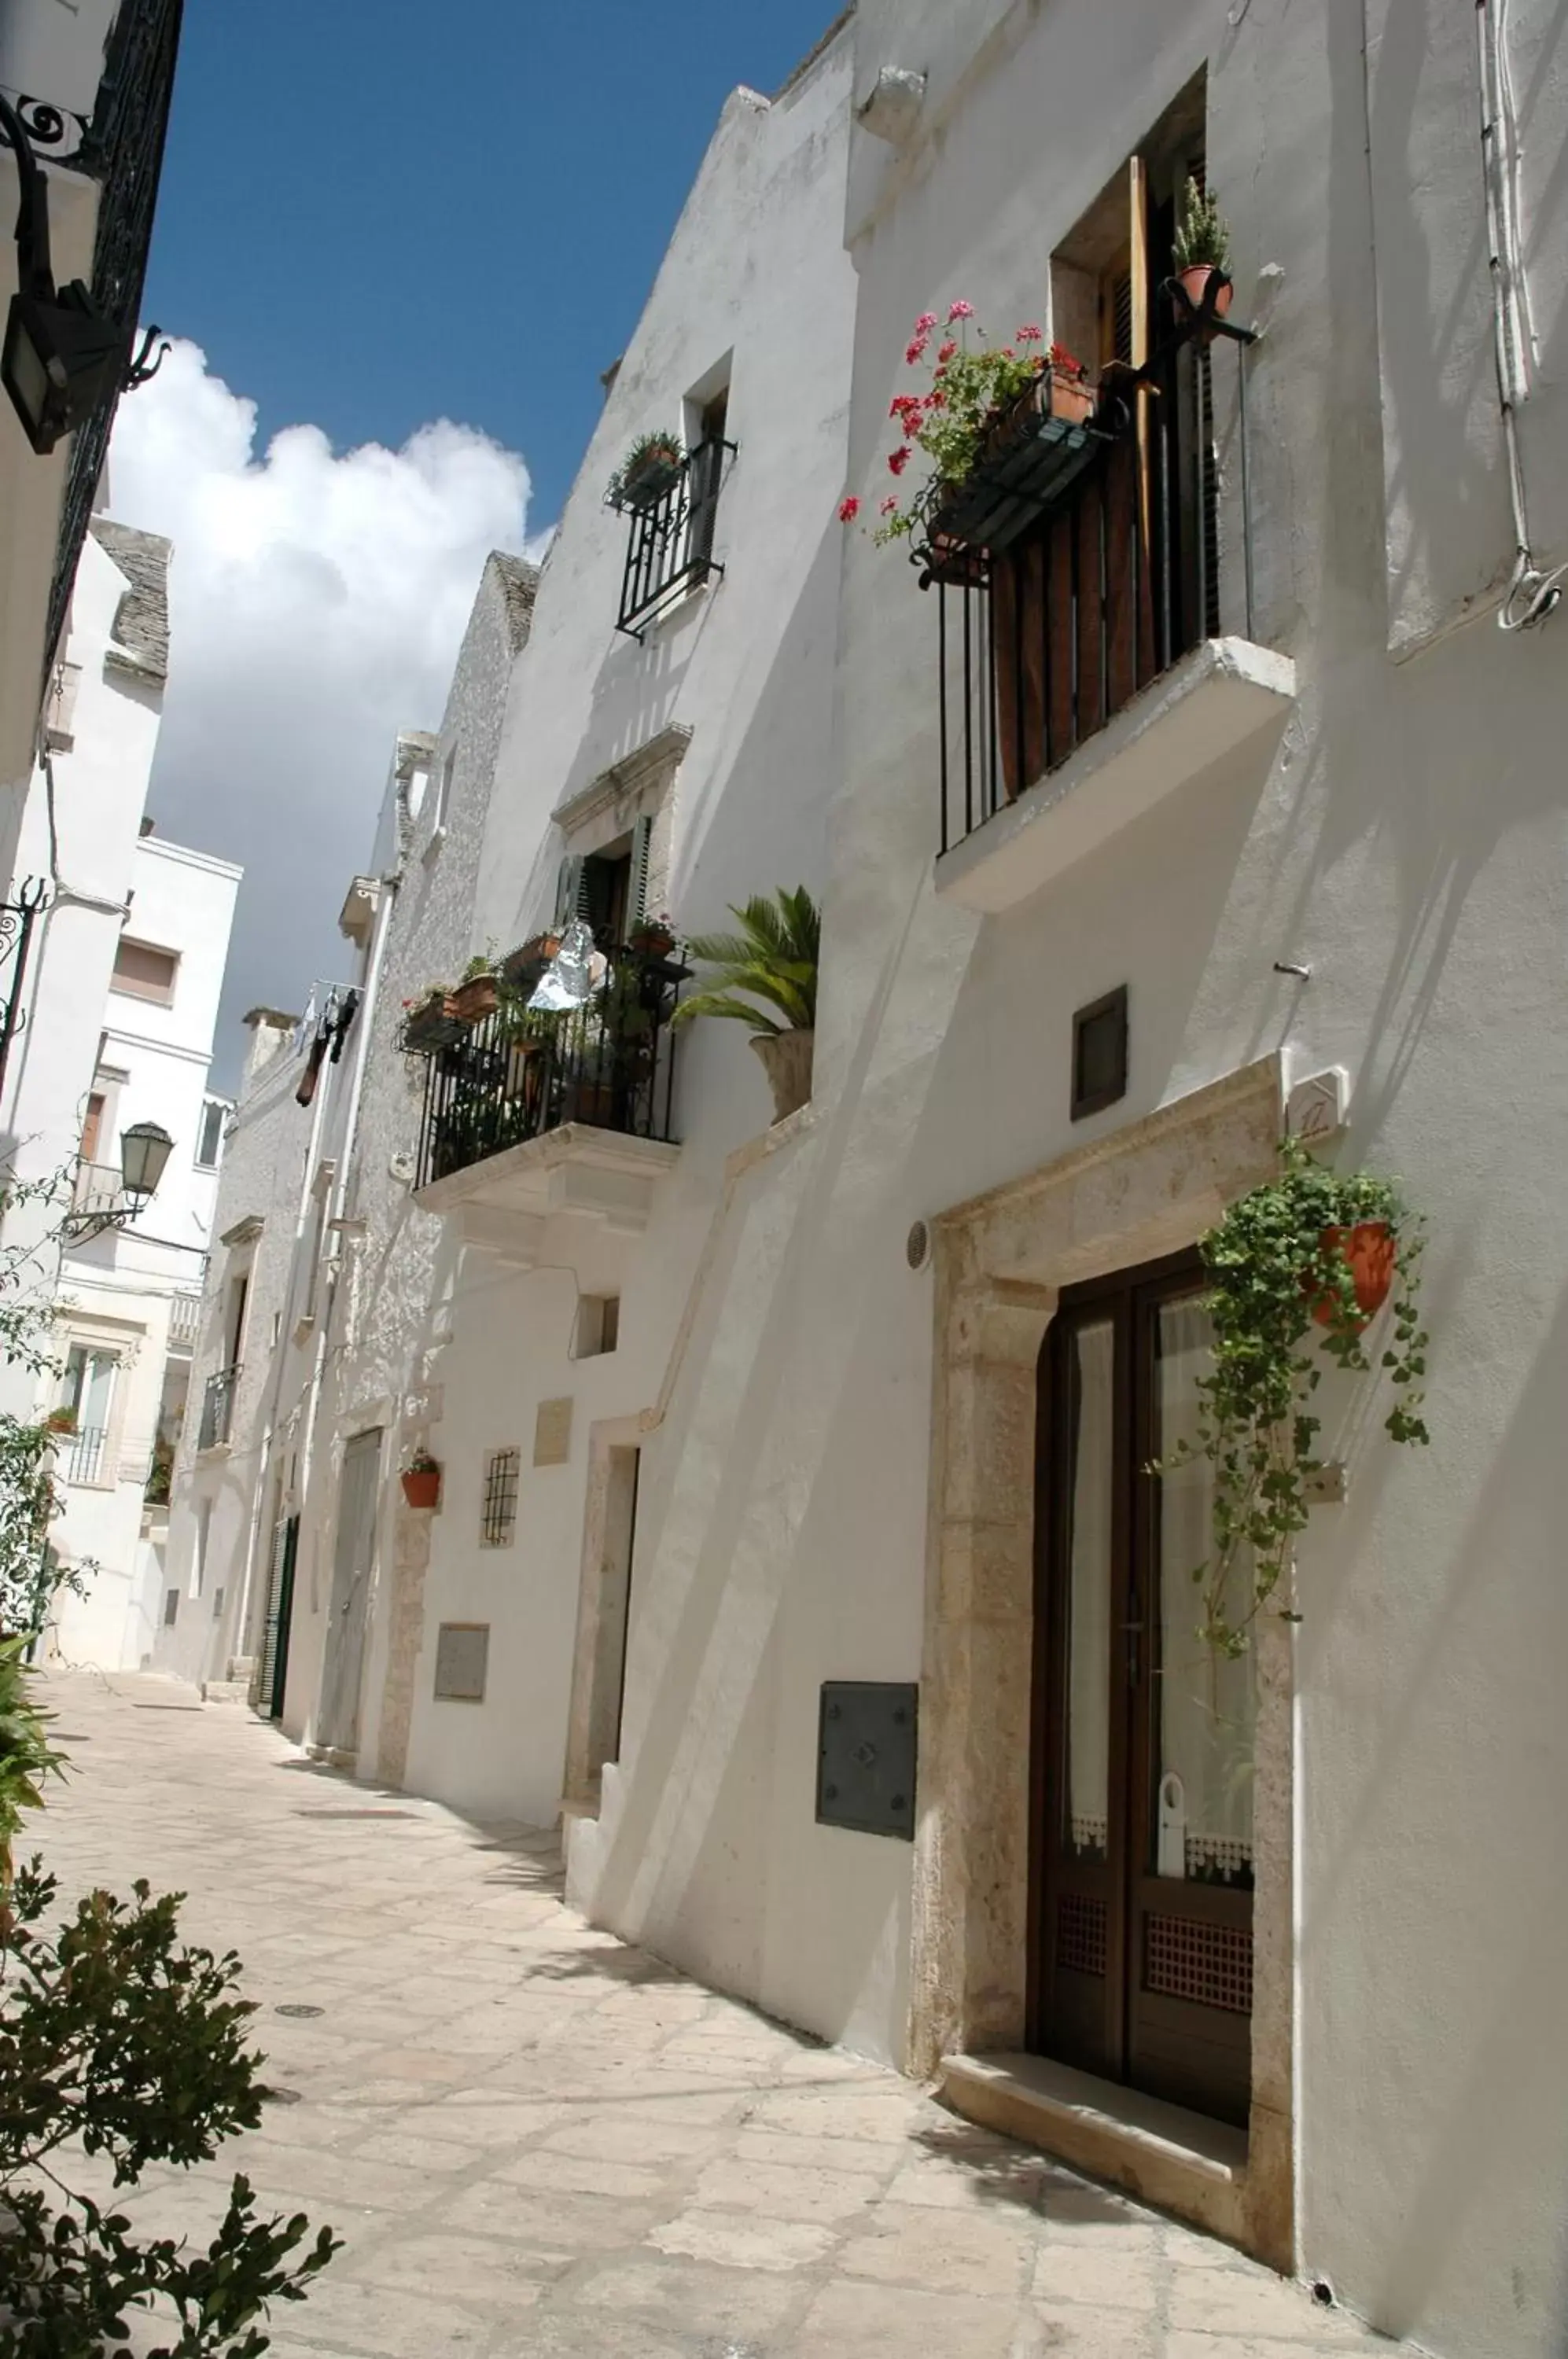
(650, 469)
(1310, 1247)
(653, 937)
(478, 992)
(1200, 253)
(61, 1420)
(421, 1480)
(773, 959)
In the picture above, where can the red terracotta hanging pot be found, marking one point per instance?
(1369, 1252)
(422, 1486)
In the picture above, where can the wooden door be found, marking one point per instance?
(1141, 1919)
(353, 1562)
(273, 1682)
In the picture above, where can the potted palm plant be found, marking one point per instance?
(1200, 253)
(773, 959)
(648, 470)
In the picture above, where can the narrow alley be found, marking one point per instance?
(535, 2139)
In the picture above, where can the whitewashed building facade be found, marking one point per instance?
(116, 1004)
(1244, 774)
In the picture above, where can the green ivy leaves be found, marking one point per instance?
(1272, 1260)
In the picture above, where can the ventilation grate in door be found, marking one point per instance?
(1081, 1933)
(1210, 1964)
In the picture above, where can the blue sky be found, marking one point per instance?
(376, 213)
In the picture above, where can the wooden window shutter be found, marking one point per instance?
(570, 887)
(636, 896)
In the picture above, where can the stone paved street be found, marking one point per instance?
(537, 2140)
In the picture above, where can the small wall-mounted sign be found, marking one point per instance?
(463, 1661)
(1326, 1485)
(1317, 1108)
(552, 1433)
(866, 1757)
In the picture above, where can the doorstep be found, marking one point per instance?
(1178, 2161)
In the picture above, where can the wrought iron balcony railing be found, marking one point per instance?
(86, 1463)
(1053, 620)
(670, 538)
(517, 1074)
(218, 1408)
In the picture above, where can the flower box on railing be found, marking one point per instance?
(433, 1023)
(522, 968)
(475, 997)
(1031, 458)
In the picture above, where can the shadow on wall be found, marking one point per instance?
(1500, 2112)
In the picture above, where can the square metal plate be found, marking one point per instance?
(463, 1661)
(866, 1757)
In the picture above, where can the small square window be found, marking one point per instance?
(498, 1516)
(1100, 1054)
(211, 1135)
(598, 1325)
(144, 972)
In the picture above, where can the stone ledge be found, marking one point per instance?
(1218, 699)
(1177, 2160)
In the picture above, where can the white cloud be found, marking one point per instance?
(317, 604)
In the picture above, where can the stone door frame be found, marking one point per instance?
(1000, 1263)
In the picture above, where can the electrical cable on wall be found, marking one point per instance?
(1532, 594)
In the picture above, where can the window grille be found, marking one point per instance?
(498, 1520)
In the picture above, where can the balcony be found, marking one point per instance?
(184, 1321)
(1096, 625)
(218, 1409)
(98, 1187)
(669, 540)
(526, 1115)
(85, 1462)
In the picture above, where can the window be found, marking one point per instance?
(92, 1128)
(598, 1326)
(670, 548)
(144, 972)
(498, 1516)
(1087, 570)
(443, 796)
(234, 1326)
(210, 1140)
(607, 888)
(707, 470)
(1100, 1054)
(89, 1393)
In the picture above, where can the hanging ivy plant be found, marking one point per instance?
(1299, 1267)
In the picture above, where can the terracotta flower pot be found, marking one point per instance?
(1194, 282)
(1369, 1252)
(787, 1061)
(478, 997)
(1071, 398)
(422, 1486)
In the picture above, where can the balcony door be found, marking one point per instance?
(1141, 1911)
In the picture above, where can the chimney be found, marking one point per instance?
(271, 1031)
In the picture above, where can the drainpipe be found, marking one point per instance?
(364, 1024)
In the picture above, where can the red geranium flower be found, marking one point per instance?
(898, 459)
(848, 510)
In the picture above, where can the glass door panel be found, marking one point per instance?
(1091, 1508)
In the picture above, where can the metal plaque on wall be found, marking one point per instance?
(866, 1757)
(463, 1660)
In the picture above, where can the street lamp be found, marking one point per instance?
(145, 1150)
(63, 357)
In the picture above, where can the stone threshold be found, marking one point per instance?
(1178, 2161)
